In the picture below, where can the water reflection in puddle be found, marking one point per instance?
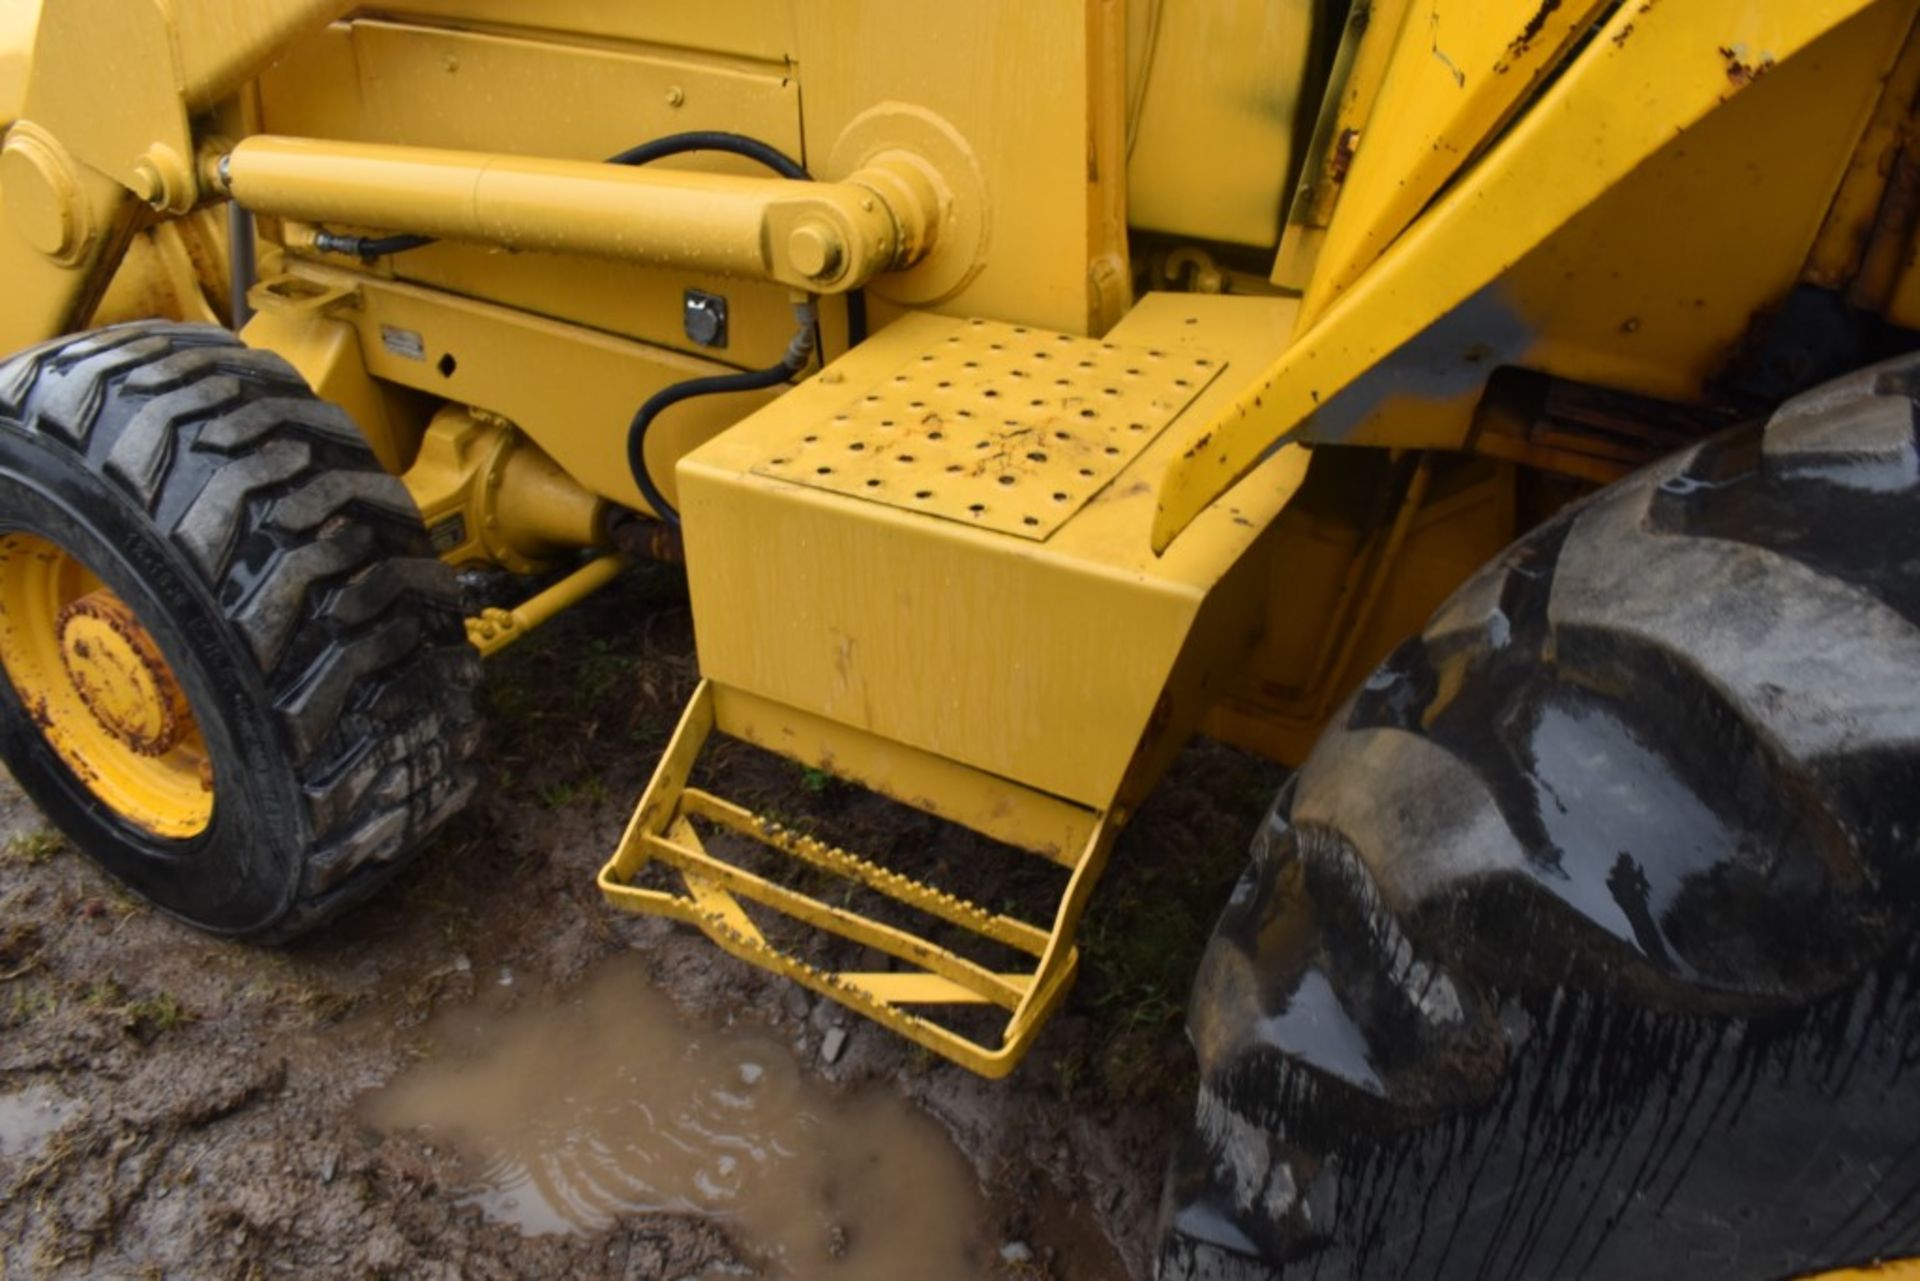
(607, 1102)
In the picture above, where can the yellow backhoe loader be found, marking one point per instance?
(1503, 412)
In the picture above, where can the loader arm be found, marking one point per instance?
(77, 181)
(1652, 73)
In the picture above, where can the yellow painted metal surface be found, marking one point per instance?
(1353, 86)
(83, 47)
(1841, 249)
(17, 23)
(998, 427)
(492, 630)
(1626, 296)
(1893, 1270)
(1036, 93)
(1232, 75)
(93, 217)
(1052, 828)
(70, 171)
(621, 81)
(1342, 597)
(1557, 162)
(989, 649)
(572, 389)
(220, 44)
(438, 86)
(824, 236)
(1457, 68)
(157, 64)
(762, 30)
(175, 269)
(1053, 169)
(298, 319)
(100, 691)
(489, 496)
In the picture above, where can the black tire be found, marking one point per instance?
(1584, 945)
(288, 583)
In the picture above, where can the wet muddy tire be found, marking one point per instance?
(242, 533)
(1584, 944)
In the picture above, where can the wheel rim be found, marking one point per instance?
(96, 685)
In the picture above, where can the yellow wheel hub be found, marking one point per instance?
(94, 681)
(119, 674)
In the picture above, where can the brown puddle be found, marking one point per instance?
(571, 1114)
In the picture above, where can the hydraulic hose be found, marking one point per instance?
(367, 248)
(799, 352)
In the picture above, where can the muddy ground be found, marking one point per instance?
(176, 1105)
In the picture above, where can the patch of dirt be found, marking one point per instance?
(198, 1107)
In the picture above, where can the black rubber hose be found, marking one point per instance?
(799, 352)
(367, 248)
(676, 144)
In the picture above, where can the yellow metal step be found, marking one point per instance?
(713, 893)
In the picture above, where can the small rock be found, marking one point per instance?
(461, 964)
(834, 1044)
(506, 977)
(794, 999)
(1016, 1252)
(750, 1073)
(329, 1166)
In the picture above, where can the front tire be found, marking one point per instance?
(205, 577)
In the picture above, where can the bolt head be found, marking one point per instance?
(814, 249)
(148, 184)
(164, 180)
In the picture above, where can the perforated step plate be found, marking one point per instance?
(1000, 426)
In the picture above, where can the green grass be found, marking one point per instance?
(154, 1015)
(31, 849)
(28, 1003)
(599, 673)
(575, 791)
(1141, 942)
(146, 1017)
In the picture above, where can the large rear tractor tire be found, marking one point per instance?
(1584, 945)
(234, 674)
